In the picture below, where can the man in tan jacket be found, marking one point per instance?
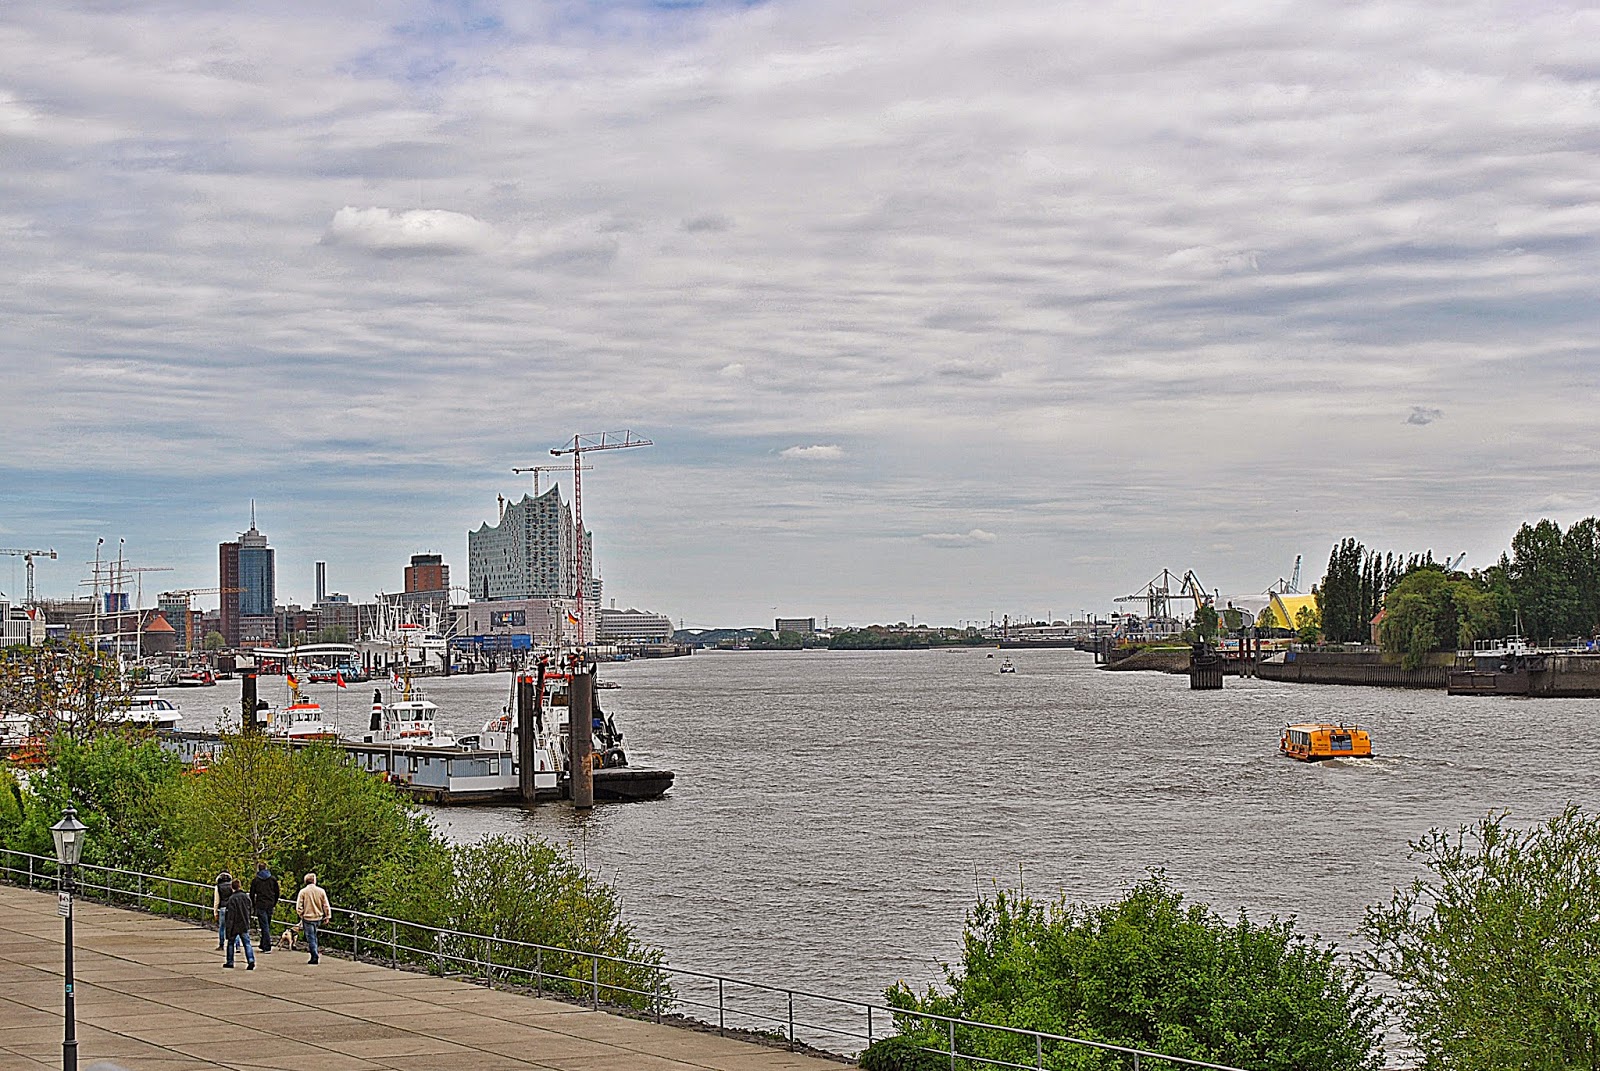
(313, 908)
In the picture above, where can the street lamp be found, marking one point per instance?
(68, 834)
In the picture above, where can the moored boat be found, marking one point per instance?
(146, 708)
(300, 720)
(1316, 741)
(407, 722)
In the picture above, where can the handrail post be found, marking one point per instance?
(655, 997)
(952, 1025)
(394, 944)
(594, 978)
(438, 950)
(869, 1025)
(1038, 1050)
(721, 1019)
(355, 938)
(791, 1020)
(538, 972)
(1135, 1062)
(488, 960)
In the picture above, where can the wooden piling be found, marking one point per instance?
(247, 700)
(1205, 669)
(530, 694)
(580, 736)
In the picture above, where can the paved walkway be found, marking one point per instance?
(152, 996)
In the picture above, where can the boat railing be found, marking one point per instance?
(797, 1017)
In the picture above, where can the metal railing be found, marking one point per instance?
(842, 1026)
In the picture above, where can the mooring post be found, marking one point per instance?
(580, 733)
(528, 689)
(247, 699)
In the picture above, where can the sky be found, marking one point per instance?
(932, 310)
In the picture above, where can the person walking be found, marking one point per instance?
(219, 897)
(238, 911)
(313, 908)
(264, 894)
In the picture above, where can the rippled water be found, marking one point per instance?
(834, 812)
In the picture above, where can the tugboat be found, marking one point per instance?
(1007, 667)
(1317, 741)
(301, 720)
(407, 722)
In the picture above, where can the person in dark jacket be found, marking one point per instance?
(238, 910)
(264, 894)
(219, 898)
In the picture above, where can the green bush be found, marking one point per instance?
(1151, 972)
(902, 1052)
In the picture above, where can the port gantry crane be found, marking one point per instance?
(28, 556)
(580, 445)
(536, 469)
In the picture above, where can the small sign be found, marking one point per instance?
(64, 905)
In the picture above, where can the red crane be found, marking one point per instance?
(580, 445)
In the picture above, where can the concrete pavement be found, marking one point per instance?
(152, 996)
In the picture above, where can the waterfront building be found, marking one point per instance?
(174, 606)
(518, 623)
(20, 625)
(805, 626)
(248, 615)
(427, 573)
(531, 554)
(632, 626)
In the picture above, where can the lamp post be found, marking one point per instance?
(68, 834)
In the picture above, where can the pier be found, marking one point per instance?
(152, 996)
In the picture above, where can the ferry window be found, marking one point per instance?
(494, 766)
(413, 764)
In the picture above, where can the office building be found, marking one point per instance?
(248, 617)
(805, 626)
(633, 626)
(427, 572)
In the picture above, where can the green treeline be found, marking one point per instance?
(310, 810)
(901, 637)
(1545, 587)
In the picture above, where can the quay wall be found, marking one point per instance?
(1351, 667)
(1159, 659)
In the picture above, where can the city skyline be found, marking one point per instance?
(929, 311)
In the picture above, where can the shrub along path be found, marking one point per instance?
(152, 996)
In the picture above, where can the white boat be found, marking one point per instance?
(407, 722)
(1007, 667)
(301, 720)
(147, 708)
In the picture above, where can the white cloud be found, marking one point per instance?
(974, 537)
(420, 230)
(818, 452)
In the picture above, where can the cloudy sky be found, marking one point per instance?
(932, 309)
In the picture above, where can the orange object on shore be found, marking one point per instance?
(1314, 741)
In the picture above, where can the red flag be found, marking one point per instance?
(338, 678)
(293, 682)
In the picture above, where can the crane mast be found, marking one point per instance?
(580, 445)
(28, 556)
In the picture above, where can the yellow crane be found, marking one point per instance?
(28, 556)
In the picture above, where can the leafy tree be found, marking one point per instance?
(1580, 548)
(215, 641)
(1545, 591)
(1205, 623)
(1307, 625)
(1152, 972)
(68, 690)
(334, 634)
(1496, 950)
(1429, 611)
(251, 803)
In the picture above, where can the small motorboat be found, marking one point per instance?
(1007, 667)
(1317, 741)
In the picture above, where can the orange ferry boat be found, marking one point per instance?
(1314, 741)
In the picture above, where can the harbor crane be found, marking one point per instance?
(1290, 586)
(1452, 564)
(28, 556)
(580, 445)
(536, 469)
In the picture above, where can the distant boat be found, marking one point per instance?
(1006, 666)
(1316, 741)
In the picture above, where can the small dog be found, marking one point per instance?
(288, 936)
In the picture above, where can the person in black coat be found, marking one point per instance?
(264, 894)
(238, 910)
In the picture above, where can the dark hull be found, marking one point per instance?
(624, 783)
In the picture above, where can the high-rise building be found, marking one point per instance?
(322, 581)
(247, 564)
(530, 554)
(427, 572)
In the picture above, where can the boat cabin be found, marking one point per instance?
(1314, 741)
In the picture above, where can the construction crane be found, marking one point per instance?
(536, 469)
(580, 445)
(1452, 564)
(188, 611)
(1192, 587)
(28, 556)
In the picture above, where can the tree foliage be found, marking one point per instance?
(1496, 950)
(251, 803)
(1429, 611)
(1152, 972)
(67, 690)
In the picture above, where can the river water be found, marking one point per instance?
(835, 812)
